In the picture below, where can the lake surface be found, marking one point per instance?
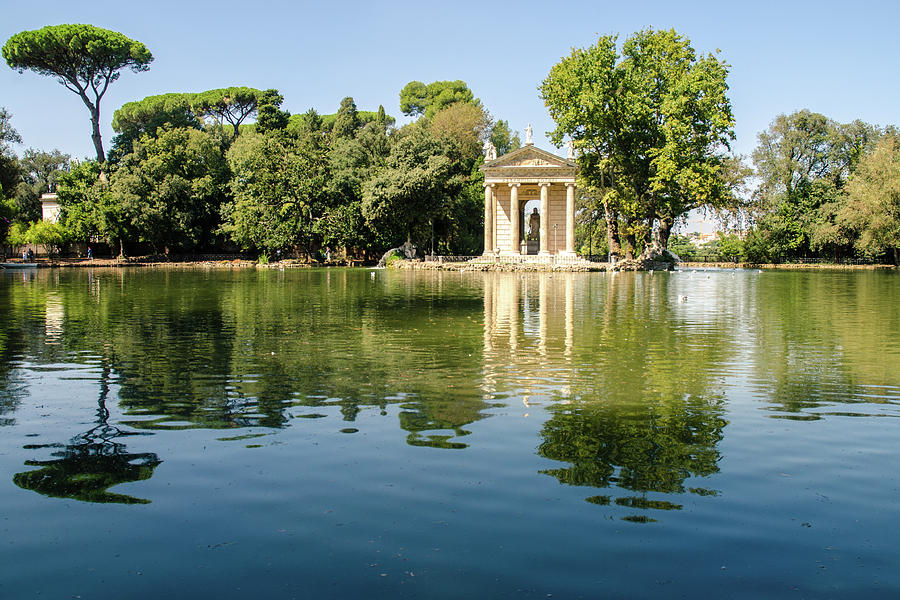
(381, 434)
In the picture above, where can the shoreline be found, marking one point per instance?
(417, 265)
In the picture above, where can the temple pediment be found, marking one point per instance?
(528, 157)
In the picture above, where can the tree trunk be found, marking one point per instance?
(95, 126)
(664, 232)
(630, 244)
(121, 248)
(896, 256)
(612, 229)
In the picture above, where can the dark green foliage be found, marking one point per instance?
(135, 119)
(171, 187)
(417, 99)
(9, 166)
(278, 191)
(87, 208)
(269, 116)
(414, 188)
(346, 122)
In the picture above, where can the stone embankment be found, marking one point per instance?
(549, 267)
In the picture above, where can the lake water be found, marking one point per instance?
(383, 434)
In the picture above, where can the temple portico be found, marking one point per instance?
(514, 180)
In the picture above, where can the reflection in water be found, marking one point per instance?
(629, 379)
(200, 350)
(90, 464)
(626, 412)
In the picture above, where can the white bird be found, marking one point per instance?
(682, 298)
(372, 274)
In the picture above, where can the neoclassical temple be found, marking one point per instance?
(529, 202)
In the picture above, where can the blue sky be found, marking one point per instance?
(838, 58)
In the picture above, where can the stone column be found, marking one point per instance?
(545, 218)
(515, 215)
(494, 247)
(488, 218)
(570, 219)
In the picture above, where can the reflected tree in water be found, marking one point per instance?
(644, 415)
(264, 348)
(91, 463)
(811, 359)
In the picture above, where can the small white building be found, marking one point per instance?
(50, 207)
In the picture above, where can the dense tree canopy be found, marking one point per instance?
(803, 162)
(417, 99)
(873, 200)
(278, 190)
(83, 58)
(652, 126)
(269, 116)
(171, 187)
(413, 188)
(87, 208)
(135, 119)
(227, 105)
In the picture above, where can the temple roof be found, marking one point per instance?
(529, 162)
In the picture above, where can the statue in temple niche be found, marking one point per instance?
(534, 225)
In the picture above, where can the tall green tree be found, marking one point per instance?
(653, 127)
(504, 139)
(83, 58)
(803, 162)
(352, 162)
(9, 172)
(346, 123)
(413, 189)
(171, 187)
(278, 192)
(269, 116)
(872, 207)
(88, 210)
